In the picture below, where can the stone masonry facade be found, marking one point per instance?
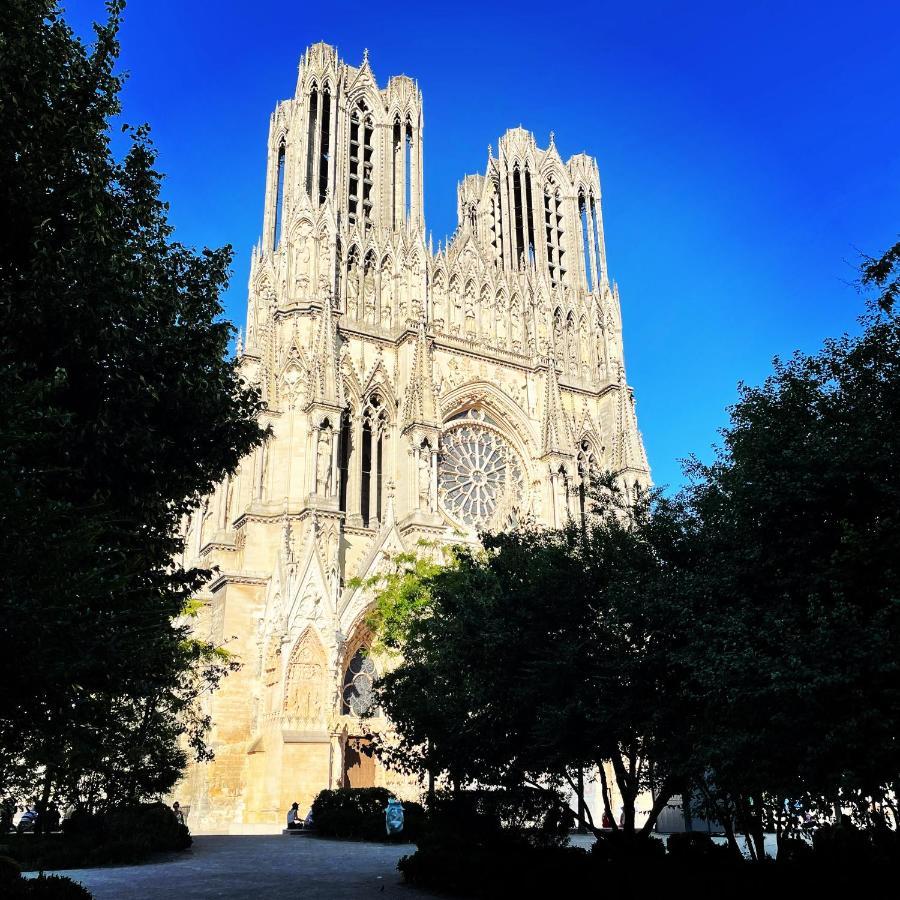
(413, 394)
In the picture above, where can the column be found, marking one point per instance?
(434, 481)
(589, 221)
(335, 468)
(312, 455)
(601, 248)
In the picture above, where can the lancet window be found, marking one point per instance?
(311, 134)
(553, 219)
(529, 212)
(374, 440)
(359, 183)
(324, 144)
(586, 241)
(587, 471)
(397, 149)
(345, 449)
(518, 217)
(595, 216)
(279, 196)
(497, 228)
(353, 191)
(408, 146)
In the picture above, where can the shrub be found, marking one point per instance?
(10, 870)
(496, 818)
(84, 824)
(697, 847)
(616, 847)
(150, 824)
(48, 887)
(358, 813)
(794, 850)
(120, 836)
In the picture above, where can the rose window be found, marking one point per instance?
(480, 477)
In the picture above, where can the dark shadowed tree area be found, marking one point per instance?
(736, 644)
(120, 408)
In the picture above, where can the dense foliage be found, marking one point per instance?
(118, 836)
(735, 644)
(358, 813)
(118, 410)
(47, 887)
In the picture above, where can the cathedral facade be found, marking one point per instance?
(411, 393)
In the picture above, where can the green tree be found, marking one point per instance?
(543, 655)
(118, 410)
(796, 605)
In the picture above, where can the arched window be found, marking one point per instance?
(395, 174)
(497, 227)
(353, 191)
(311, 134)
(587, 471)
(595, 214)
(359, 680)
(408, 167)
(373, 458)
(324, 144)
(529, 212)
(518, 217)
(586, 241)
(279, 196)
(345, 448)
(554, 233)
(368, 168)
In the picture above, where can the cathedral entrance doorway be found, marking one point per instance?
(359, 763)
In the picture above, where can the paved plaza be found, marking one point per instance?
(258, 866)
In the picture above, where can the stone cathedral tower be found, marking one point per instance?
(411, 394)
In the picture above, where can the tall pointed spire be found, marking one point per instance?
(421, 404)
(326, 386)
(630, 453)
(554, 428)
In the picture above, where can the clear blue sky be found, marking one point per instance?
(748, 152)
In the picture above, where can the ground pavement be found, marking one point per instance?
(258, 867)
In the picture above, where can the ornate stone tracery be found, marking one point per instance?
(412, 393)
(480, 475)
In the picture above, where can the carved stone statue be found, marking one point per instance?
(323, 463)
(369, 295)
(353, 289)
(424, 479)
(302, 263)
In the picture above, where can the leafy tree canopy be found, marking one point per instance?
(119, 411)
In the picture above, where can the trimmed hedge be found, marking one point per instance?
(121, 836)
(358, 814)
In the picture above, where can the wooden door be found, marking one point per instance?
(359, 763)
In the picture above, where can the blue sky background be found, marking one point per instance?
(748, 152)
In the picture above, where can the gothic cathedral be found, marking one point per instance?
(411, 394)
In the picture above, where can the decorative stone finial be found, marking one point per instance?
(552, 139)
(365, 61)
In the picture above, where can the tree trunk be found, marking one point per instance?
(628, 791)
(44, 801)
(582, 829)
(604, 790)
(666, 791)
